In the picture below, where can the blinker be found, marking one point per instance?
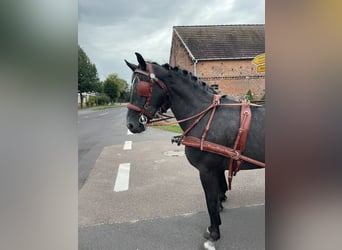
(143, 88)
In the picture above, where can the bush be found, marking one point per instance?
(263, 98)
(103, 99)
(249, 96)
(92, 100)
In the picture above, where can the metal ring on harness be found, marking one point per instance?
(142, 119)
(236, 156)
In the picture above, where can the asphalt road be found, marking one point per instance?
(99, 129)
(163, 206)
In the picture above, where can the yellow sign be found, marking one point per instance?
(259, 59)
(261, 68)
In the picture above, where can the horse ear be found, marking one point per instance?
(141, 61)
(132, 66)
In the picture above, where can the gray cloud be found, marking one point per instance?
(110, 31)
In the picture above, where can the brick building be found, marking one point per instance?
(221, 55)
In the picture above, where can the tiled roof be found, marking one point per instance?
(222, 41)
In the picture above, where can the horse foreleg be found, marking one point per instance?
(223, 188)
(211, 189)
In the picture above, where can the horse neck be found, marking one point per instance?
(187, 98)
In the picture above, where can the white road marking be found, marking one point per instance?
(122, 178)
(129, 132)
(127, 145)
(102, 114)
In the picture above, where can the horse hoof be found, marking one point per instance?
(209, 245)
(212, 236)
(206, 234)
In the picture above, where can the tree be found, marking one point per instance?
(87, 74)
(113, 86)
(111, 90)
(125, 95)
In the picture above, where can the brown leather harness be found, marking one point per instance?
(235, 154)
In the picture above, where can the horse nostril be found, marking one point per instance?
(129, 126)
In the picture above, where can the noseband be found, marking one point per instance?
(144, 89)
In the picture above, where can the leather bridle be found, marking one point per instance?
(144, 89)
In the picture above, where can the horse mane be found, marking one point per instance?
(187, 75)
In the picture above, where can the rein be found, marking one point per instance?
(166, 117)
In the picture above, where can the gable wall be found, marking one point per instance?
(179, 55)
(234, 77)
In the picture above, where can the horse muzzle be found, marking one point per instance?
(135, 128)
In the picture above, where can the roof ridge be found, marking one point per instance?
(212, 25)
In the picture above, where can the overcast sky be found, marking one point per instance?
(110, 31)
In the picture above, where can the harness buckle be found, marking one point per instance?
(216, 100)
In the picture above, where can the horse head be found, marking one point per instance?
(149, 95)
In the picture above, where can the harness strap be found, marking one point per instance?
(199, 116)
(155, 79)
(220, 150)
(215, 103)
(141, 110)
(240, 142)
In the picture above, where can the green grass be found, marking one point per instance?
(106, 107)
(102, 107)
(171, 128)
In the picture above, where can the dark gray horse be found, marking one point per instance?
(155, 86)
